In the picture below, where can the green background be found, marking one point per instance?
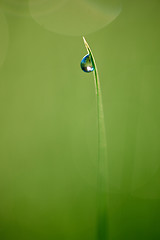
(48, 125)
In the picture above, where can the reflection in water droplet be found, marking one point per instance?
(15, 7)
(74, 17)
(86, 64)
(4, 38)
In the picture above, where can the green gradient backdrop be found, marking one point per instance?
(48, 128)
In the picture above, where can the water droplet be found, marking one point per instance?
(86, 64)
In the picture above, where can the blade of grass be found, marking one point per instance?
(102, 185)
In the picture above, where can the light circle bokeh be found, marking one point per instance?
(74, 17)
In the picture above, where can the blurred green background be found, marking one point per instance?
(48, 124)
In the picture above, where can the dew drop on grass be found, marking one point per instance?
(86, 64)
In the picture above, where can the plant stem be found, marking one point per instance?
(102, 185)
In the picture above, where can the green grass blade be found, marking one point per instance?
(102, 231)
